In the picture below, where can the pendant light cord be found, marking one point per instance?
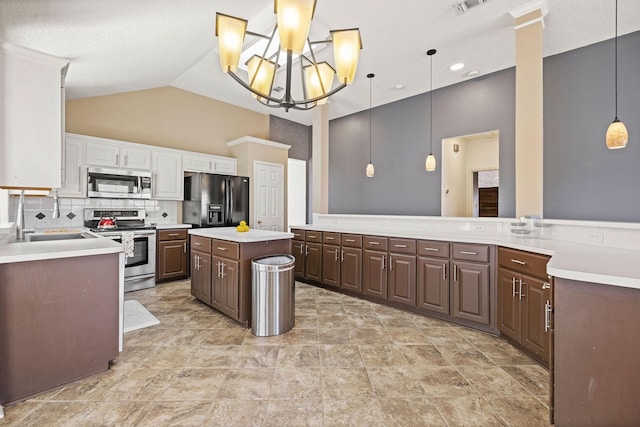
(616, 59)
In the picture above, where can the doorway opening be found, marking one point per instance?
(486, 186)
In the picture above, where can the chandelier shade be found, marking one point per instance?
(230, 32)
(294, 49)
(294, 22)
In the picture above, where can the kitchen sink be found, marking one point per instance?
(40, 237)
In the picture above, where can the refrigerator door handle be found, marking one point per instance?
(230, 199)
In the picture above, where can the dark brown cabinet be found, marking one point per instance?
(351, 262)
(433, 276)
(524, 301)
(172, 262)
(470, 282)
(221, 273)
(306, 247)
(331, 259)
(374, 267)
(402, 271)
(201, 268)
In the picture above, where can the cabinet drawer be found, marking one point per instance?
(298, 234)
(402, 246)
(331, 238)
(376, 243)
(314, 236)
(202, 244)
(523, 262)
(470, 252)
(433, 248)
(351, 240)
(177, 234)
(225, 249)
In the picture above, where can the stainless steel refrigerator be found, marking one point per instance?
(212, 200)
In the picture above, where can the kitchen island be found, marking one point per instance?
(61, 304)
(221, 266)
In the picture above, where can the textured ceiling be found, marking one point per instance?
(123, 45)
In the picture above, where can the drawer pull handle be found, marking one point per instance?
(221, 249)
(546, 285)
(432, 249)
(330, 238)
(349, 240)
(400, 246)
(374, 243)
(312, 237)
(296, 235)
(173, 234)
(517, 261)
(468, 253)
(197, 243)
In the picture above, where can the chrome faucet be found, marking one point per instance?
(56, 205)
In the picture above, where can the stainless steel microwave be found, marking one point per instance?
(118, 184)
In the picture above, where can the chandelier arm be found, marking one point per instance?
(264, 54)
(296, 105)
(255, 92)
(251, 33)
(305, 94)
(287, 86)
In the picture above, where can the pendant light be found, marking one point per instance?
(430, 163)
(370, 169)
(617, 135)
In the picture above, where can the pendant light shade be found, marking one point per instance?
(230, 32)
(319, 78)
(261, 74)
(430, 163)
(346, 52)
(370, 171)
(617, 135)
(294, 21)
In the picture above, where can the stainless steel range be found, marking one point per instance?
(140, 269)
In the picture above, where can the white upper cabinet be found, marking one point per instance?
(194, 162)
(119, 155)
(167, 182)
(32, 111)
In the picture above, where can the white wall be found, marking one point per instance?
(297, 192)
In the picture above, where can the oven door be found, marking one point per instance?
(143, 261)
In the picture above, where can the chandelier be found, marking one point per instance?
(291, 33)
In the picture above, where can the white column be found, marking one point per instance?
(320, 160)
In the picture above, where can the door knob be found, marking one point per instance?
(259, 221)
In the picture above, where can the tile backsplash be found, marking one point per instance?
(39, 209)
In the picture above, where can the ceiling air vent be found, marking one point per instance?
(465, 5)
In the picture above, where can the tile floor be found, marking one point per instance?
(346, 362)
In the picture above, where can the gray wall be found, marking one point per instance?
(400, 145)
(582, 178)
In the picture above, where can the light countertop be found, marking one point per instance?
(232, 235)
(171, 226)
(53, 249)
(569, 260)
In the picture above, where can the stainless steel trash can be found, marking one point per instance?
(272, 295)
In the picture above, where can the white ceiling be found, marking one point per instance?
(123, 45)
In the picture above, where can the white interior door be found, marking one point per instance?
(268, 196)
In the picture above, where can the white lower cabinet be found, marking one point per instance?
(167, 176)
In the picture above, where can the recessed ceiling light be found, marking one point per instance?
(399, 86)
(473, 73)
(457, 66)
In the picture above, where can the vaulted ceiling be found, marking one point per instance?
(121, 45)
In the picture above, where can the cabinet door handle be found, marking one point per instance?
(390, 262)
(521, 294)
(218, 264)
(444, 271)
(222, 269)
(432, 249)
(80, 178)
(546, 285)
(117, 159)
(336, 255)
(513, 286)
(173, 234)
(350, 240)
(468, 253)
(184, 248)
(374, 243)
(221, 249)
(384, 258)
(301, 249)
(342, 256)
(455, 273)
(547, 316)
(517, 261)
(306, 250)
(400, 246)
(126, 160)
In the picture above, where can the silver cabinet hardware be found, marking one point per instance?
(306, 250)
(311, 237)
(468, 253)
(197, 243)
(455, 273)
(330, 238)
(547, 316)
(221, 249)
(374, 243)
(383, 261)
(513, 286)
(301, 250)
(296, 235)
(546, 285)
(259, 221)
(390, 262)
(349, 240)
(336, 255)
(117, 159)
(432, 249)
(126, 160)
(517, 261)
(444, 271)
(222, 265)
(184, 248)
(342, 256)
(173, 234)
(400, 246)
(218, 264)
(521, 294)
